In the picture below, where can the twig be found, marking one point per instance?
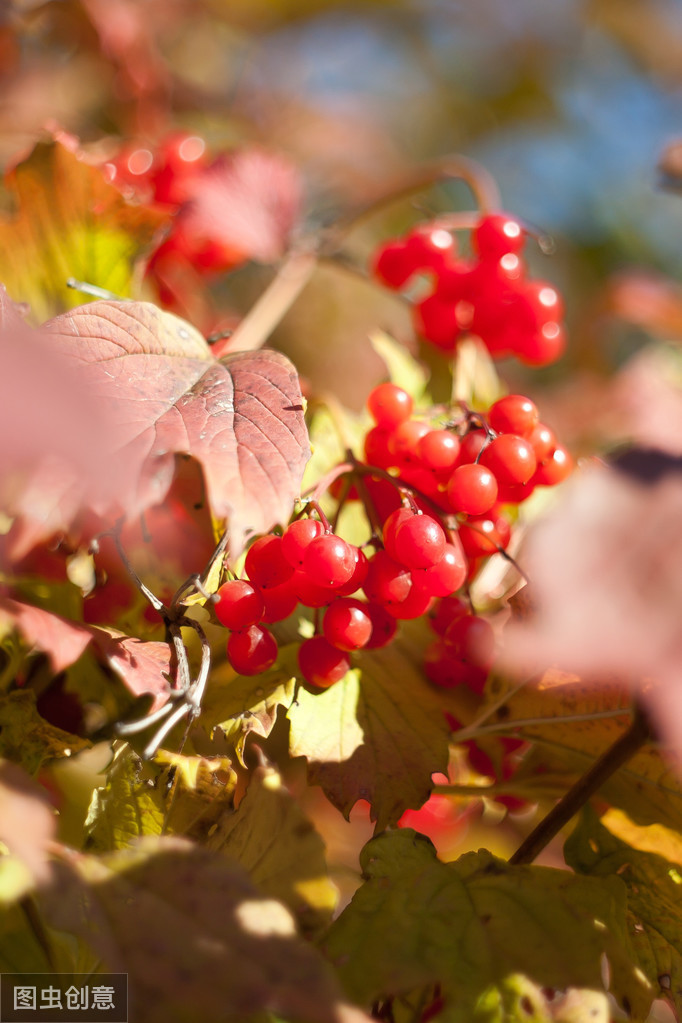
(618, 754)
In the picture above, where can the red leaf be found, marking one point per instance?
(140, 665)
(240, 417)
(247, 201)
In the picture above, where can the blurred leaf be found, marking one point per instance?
(26, 738)
(562, 714)
(654, 900)
(270, 836)
(378, 734)
(240, 417)
(518, 1000)
(27, 820)
(403, 368)
(467, 926)
(196, 938)
(69, 222)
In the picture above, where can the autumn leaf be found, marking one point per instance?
(607, 585)
(26, 738)
(270, 836)
(379, 734)
(470, 925)
(69, 222)
(240, 417)
(654, 900)
(197, 939)
(27, 821)
(571, 720)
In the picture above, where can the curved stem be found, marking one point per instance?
(618, 754)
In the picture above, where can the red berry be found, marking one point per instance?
(482, 535)
(279, 602)
(448, 610)
(416, 603)
(391, 527)
(358, 577)
(389, 405)
(554, 469)
(472, 445)
(436, 320)
(419, 541)
(252, 651)
(393, 264)
(310, 593)
(329, 560)
(322, 664)
(377, 448)
(296, 538)
(510, 458)
(387, 581)
(404, 441)
(438, 450)
(472, 640)
(446, 576)
(472, 489)
(346, 624)
(238, 605)
(514, 414)
(383, 626)
(497, 234)
(180, 157)
(265, 563)
(544, 346)
(429, 247)
(543, 441)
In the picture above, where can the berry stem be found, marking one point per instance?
(618, 754)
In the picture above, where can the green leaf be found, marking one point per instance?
(238, 705)
(270, 836)
(174, 794)
(379, 734)
(467, 926)
(69, 222)
(26, 738)
(654, 900)
(196, 938)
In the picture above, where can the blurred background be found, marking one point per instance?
(569, 105)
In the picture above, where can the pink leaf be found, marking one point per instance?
(247, 201)
(240, 417)
(606, 575)
(27, 821)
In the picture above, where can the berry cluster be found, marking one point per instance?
(488, 295)
(470, 468)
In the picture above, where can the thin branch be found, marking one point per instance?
(615, 757)
(474, 732)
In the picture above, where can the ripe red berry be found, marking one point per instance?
(387, 582)
(389, 405)
(510, 458)
(383, 626)
(296, 538)
(393, 264)
(346, 624)
(238, 605)
(443, 578)
(252, 651)
(514, 414)
(405, 439)
(391, 527)
(265, 563)
(472, 489)
(322, 664)
(438, 450)
(329, 560)
(436, 320)
(471, 639)
(554, 469)
(496, 235)
(419, 541)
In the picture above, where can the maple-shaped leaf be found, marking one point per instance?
(197, 939)
(470, 925)
(606, 568)
(247, 202)
(654, 900)
(379, 734)
(241, 417)
(68, 222)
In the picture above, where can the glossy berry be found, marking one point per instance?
(387, 582)
(296, 538)
(514, 414)
(346, 624)
(438, 450)
(238, 605)
(265, 563)
(446, 576)
(329, 560)
(322, 664)
(389, 405)
(383, 626)
(419, 542)
(471, 639)
(252, 651)
(496, 235)
(472, 489)
(394, 264)
(511, 459)
(391, 526)
(554, 469)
